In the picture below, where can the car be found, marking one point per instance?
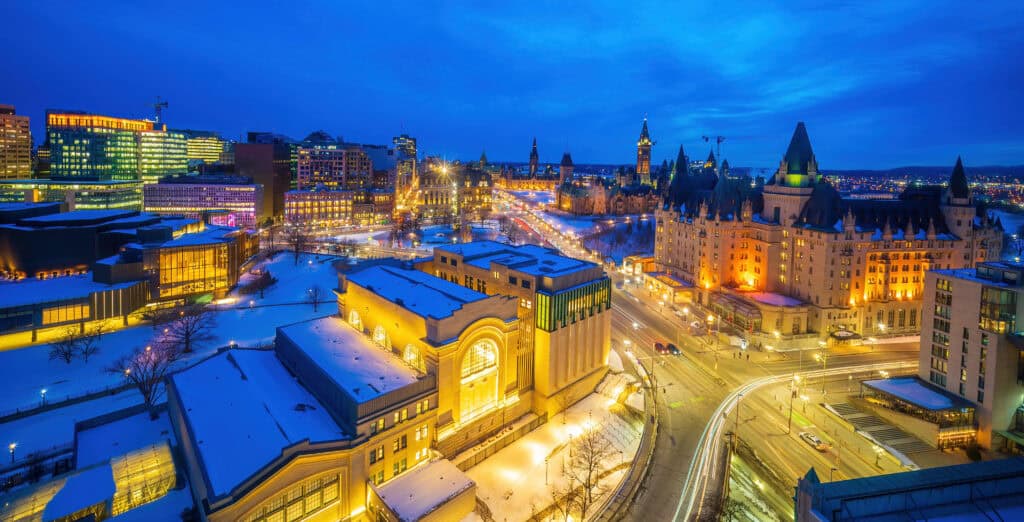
(672, 349)
(813, 440)
(660, 348)
(697, 325)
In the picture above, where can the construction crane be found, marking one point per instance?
(718, 144)
(159, 106)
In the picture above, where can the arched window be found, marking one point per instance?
(479, 387)
(413, 358)
(355, 320)
(380, 336)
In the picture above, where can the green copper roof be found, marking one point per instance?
(799, 153)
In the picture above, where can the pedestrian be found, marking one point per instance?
(748, 356)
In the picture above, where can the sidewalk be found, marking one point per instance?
(522, 479)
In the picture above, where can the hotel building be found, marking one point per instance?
(15, 145)
(237, 201)
(796, 260)
(971, 345)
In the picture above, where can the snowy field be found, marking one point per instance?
(534, 197)
(251, 321)
(512, 481)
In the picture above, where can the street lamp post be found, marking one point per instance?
(546, 460)
(792, 394)
(11, 448)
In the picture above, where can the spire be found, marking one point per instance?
(799, 155)
(645, 136)
(566, 160)
(711, 157)
(534, 159)
(958, 181)
(483, 158)
(682, 164)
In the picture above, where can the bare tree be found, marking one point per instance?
(565, 499)
(89, 344)
(297, 240)
(146, 367)
(589, 451)
(189, 327)
(313, 296)
(65, 348)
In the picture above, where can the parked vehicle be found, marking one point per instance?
(813, 440)
(672, 349)
(660, 348)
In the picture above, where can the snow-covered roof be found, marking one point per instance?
(211, 234)
(87, 488)
(917, 392)
(362, 369)
(112, 439)
(420, 293)
(244, 408)
(35, 291)
(529, 259)
(78, 215)
(418, 492)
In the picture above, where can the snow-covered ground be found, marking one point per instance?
(518, 481)
(250, 321)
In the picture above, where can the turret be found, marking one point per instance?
(643, 155)
(565, 169)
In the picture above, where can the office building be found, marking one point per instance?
(347, 167)
(93, 147)
(793, 257)
(268, 164)
(972, 346)
(75, 194)
(162, 153)
(203, 146)
(218, 199)
(15, 145)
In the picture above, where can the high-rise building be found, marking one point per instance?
(643, 155)
(795, 258)
(15, 145)
(971, 344)
(268, 164)
(405, 148)
(204, 146)
(102, 148)
(162, 153)
(346, 167)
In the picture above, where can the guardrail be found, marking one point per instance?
(616, 503)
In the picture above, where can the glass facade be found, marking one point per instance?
(86, 195)
(301, 501)
(162, 154)
(94, 153)
(998, 311)
(193, 270)
(564, 307)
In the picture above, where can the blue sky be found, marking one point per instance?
(888, 84)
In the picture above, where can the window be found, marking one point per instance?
(422, 406)
(301, 501)
(376, 454)
(400, 443)
(377, 426)
(401, 415)
(526, 283)
(399, 467)
(513, 280)
(422, 432)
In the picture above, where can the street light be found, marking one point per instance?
(11, 447)
(42, 395)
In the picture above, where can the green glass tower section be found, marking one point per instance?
(94, 154)
(559, 309)
(162, 153)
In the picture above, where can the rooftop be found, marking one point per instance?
(418, 292)
(33, 291)
(918, 393)
(243, 408)
(417, 493)
(773, 299)
(211, 234)
(78, 217)
(529, 259)
(356, 365)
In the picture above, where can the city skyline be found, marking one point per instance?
(491, 79)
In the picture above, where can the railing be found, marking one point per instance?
(615, 505)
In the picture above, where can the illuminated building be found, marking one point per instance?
(15, 145)
(795, 258)
(406, 165)
(565, 169)
(41, 167)
(336, 208)
(347, 168)
(534, 179)
(78, 195)
(204, 146)
(971, 345)
(94, 147)
(195, 196)
(161, 153)
(449, 191)
(412, 367)
(596, 196)
(207, 261)
(643, 155)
